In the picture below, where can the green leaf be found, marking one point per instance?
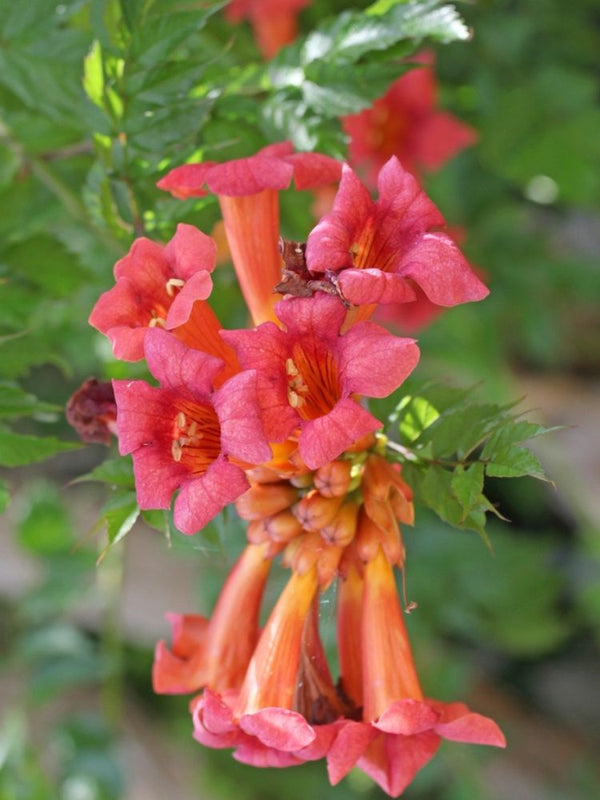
(512, 433)
(120, 514)
(14, 402)
(416, 413)
(17, 449)
(432, 486)
(428, 19)
(460, 430)
(46, 528)
(467, 486)
(515, 462)
(113, 471)
(346, 63)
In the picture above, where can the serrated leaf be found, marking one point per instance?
(515, 462)
(428, 19)
(340, 67)
(113, 471)
(512, 433)
(17, 449)
(467, 486)
(460, 430)
(120, 515)
(433, 488)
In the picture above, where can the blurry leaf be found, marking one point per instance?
(93, 75)
(4, 496)
(44, 261)
(59, 639)
(17, 449)
(45, 529)
(9, 164)
(485, 611)
(14, 402)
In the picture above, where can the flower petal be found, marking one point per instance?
(197, 287)
(350, 743)
(173, 675)
(187, 180)
(393, 761)
(190, 250)
(255, 754)
(324, 438)
(245, 176)
(215, 713)
(313, 170)
(401, 198)
(328, 245)
(178, 367)
(278, 728)
(373, 362)
(236, 404)
(203, 497)
(264, 349)
(440, 269)
(320, 316)
(472, 728)
(407, 717)
(363, 286)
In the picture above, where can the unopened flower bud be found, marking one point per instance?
(283, 527)
(256, 532)
(264, 500)
(333, 479)
(302, 481)
(364, 443)
(368, 537)
(315, 511)
(342, 529)
(302, 552)
(327, 564)
(402, 506)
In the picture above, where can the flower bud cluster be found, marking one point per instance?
(315, 515)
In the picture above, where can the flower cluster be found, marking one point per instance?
(274, 419)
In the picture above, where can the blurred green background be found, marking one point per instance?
(515, 633)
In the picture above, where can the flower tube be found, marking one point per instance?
(247, 189)
(216, 652)
(400, 730)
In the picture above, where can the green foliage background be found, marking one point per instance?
(98, 99)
